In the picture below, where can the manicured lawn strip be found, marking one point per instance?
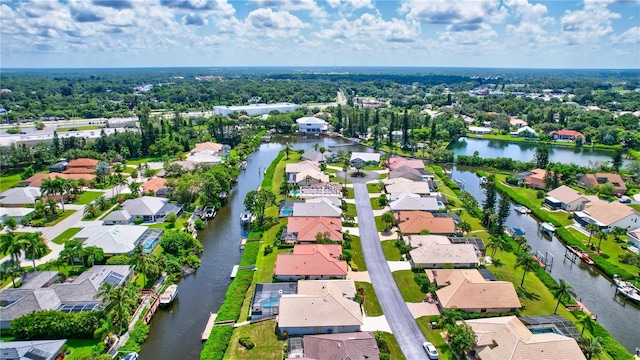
(79, 128)
(87, 197)
(509, 138)
(351, 210)
(373, 188)
(357, 256)
(216, 345)
(350, 194)
(392, 344)
(371, 304)
(7, 182)
(434, 337)
(143, 160)
(380, 225)
(64, 215)
(263, 335)
(267, 182)
(80, 348)
(635, 206)
(375, 204)
(391, 252)
(331, 170)
(408, 288)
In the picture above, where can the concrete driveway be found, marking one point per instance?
(400, 319)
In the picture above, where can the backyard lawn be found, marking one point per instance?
(7, 182)
(263, 335)
(356, 253)
(394, 348)
(66, 235)
(80, 348)
(371, 304)
(434, 337)
(375, 203)
(87, 197)
(408, 288)
(391, 252)
(351, 210)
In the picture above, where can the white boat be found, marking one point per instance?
(245, 218)
(627, 289)
(522, 209)
(131, 356)
(169, 295)
(545, 226)
(483, 180)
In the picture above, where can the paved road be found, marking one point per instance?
(402, 323)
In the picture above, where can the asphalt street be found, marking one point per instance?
(402, 323)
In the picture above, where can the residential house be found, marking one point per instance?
(155, 187)
(396, 162)
(81, 166)
(525, 131)
(507, 338)
(312, 125)
(317, 156)
(36, 180)
(634, 237)
(515, 122)
(39, 291)
(591, 180)
(609, 215)
(408, 201)
(566, 135)
(534, 178)
(18, 197)
(305, 229)
(209, 146)
(150, 208)
(480, 130)
(400, 185)
(16, 213)
(325, 189)
(353, 346)
(372, 159)
(436, 252)
(204, 157)
(291, 170)
(565, 198)
(321, 206)
(32, 349)
(118, 217)
(320, 307)
(311, 262)
(414, 222)
(468, 291)
(119, 239)
(406, 173)
(311, 176)
(58, 167)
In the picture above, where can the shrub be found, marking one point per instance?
(217, 344)
(199, 224)
(52, 324)
(138, 221)
(247, 342)
(171, 218)
(268, 250)
(118, 260)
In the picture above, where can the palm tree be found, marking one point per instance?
(10, 269)
(93, 254)
(497, 263)
(48, 188)
(285, 188)
(91, 210)
(527, 264)
(464, 227)
(618, 231)
(10, 244)
(388, 219)
(592, 229)
(525, 248)
(119, 303)
(520, 240)
(139, 259)
(34, 246)
(60, 186)
(134, 187)
(591, 346)
(562, 290)
(449, 317)
(102, 203)
(587, 322)
(497, 242)
(287, 149)
(600, 235)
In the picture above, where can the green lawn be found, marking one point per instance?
(79, 128)
(66, 235)
(380, 225)
(64, 215)
(371, 304)
(373, 188)
(356, 253)
(394, 348)
(351, 210)
(331, 170)
(7, 182)
(433, 336)
(87, 197)
(350, 194)
(80, 348)
(610, 247)
(390, 250)
(375, 203)
(143, 160)
(408, 288)
(278, 174)
(264, 336)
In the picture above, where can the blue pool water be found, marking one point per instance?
(149, 244)
(294, 192)
(288, 211)
(269, 303)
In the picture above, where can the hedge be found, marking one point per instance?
(217, 344)
(267, 182)
(250, 253)
(52, 324)
(611, 346)
(234, 298)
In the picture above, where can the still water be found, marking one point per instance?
(584, 156)
(175, 332)
(622, 319)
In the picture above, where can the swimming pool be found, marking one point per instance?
(269, 303)
(150, 243)
(287, 211)
(294, 192)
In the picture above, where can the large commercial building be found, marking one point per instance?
(255, 109)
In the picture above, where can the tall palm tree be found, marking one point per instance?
(93, 254)
(527, 264)
(561, 291)
(48, 188)
(600, 235)
(102, 203)
(52, 208)
(139, 259)
(592, 229)
(497, 242)
(34, 246)
(60, 186)
(11, 245)
(10, 269)
(91, 210)
(119, 303)
(134, 187)
(591, 346)
(587, 322)
(520, 240)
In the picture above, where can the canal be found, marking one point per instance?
(584, 156)
(622, 319)
(176, 332)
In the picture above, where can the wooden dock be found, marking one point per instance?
(234, 271)
(207, 329)
(243, 243)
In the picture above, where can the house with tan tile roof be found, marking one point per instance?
(81, 166)
(396, 162)
(305, 229)
(309, 177)
(565, 198)
(207, 146)
(536, 178)
(401, 185)
(414, 222)
(314, 262)
(155, 187)
(435, 252)
(320, 307)
(407, 173)
(609, 215)
(507, 338)
(291, 170)
(591, 180)
(353, 346)
(468, 291)
(36, 180)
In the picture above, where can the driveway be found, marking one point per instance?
(401, 321)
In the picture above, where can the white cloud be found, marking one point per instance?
(458, 15)
(372, 28)
(631, 36)
(273, 24)
(293, 5)
(353, 4)
(473, 37)
(529, 21)
(589, 24)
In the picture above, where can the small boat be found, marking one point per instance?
(627, 289)
(483, 181)
(131, 356)
(581, 254)
(169, 295)
(516, 231)
(223, 196)
(242, 165)
(245, 218)
(547, 227)
(522, 209)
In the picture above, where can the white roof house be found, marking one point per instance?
(311, 176)
(150, 208)
(433, 251)
(365, 157)
(32, 349)
(117, 239)
(19, 196)
(312, 124)
(408, 201)
(525, 129)
(15, 213)
(204, 157)
(255, 109)
(317, 207)
(401, 185)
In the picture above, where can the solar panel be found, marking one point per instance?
(37, 354)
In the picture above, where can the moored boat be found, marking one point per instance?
(245, 218)
(548, 227)
(516, 231)
(522, 209)
(169, 295)
(131, 356)
(483, 181)
(627, 289)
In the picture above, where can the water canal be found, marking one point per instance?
(584, 156)
(622, 319)
(175, 332)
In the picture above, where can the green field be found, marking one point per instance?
(80, 348)
(356, 253)
(66, 235)
(87, 197)
(263, 335)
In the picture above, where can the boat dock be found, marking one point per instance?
(207, 329)
(243, 243)
(234, 271)
(546, 260)
(573, 254)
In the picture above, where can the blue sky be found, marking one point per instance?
(430, 33)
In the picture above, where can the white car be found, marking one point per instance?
(431, 351)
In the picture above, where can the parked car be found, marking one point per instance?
(431, 351)
(625, 200)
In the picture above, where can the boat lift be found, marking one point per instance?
(546, 260)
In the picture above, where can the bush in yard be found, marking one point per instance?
(199, 224)
(52, 324)
(171, 218)
(268, 250)
(247, 342)
(118, 260)
(138, 221)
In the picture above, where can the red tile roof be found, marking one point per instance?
(80, 170)
(315, 264)
(308, 227)
(566, 132)
(413, 222)
(36, 180)
(396, 162)
(154, 185)
(83, 162)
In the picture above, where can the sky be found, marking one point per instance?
(415, 33)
